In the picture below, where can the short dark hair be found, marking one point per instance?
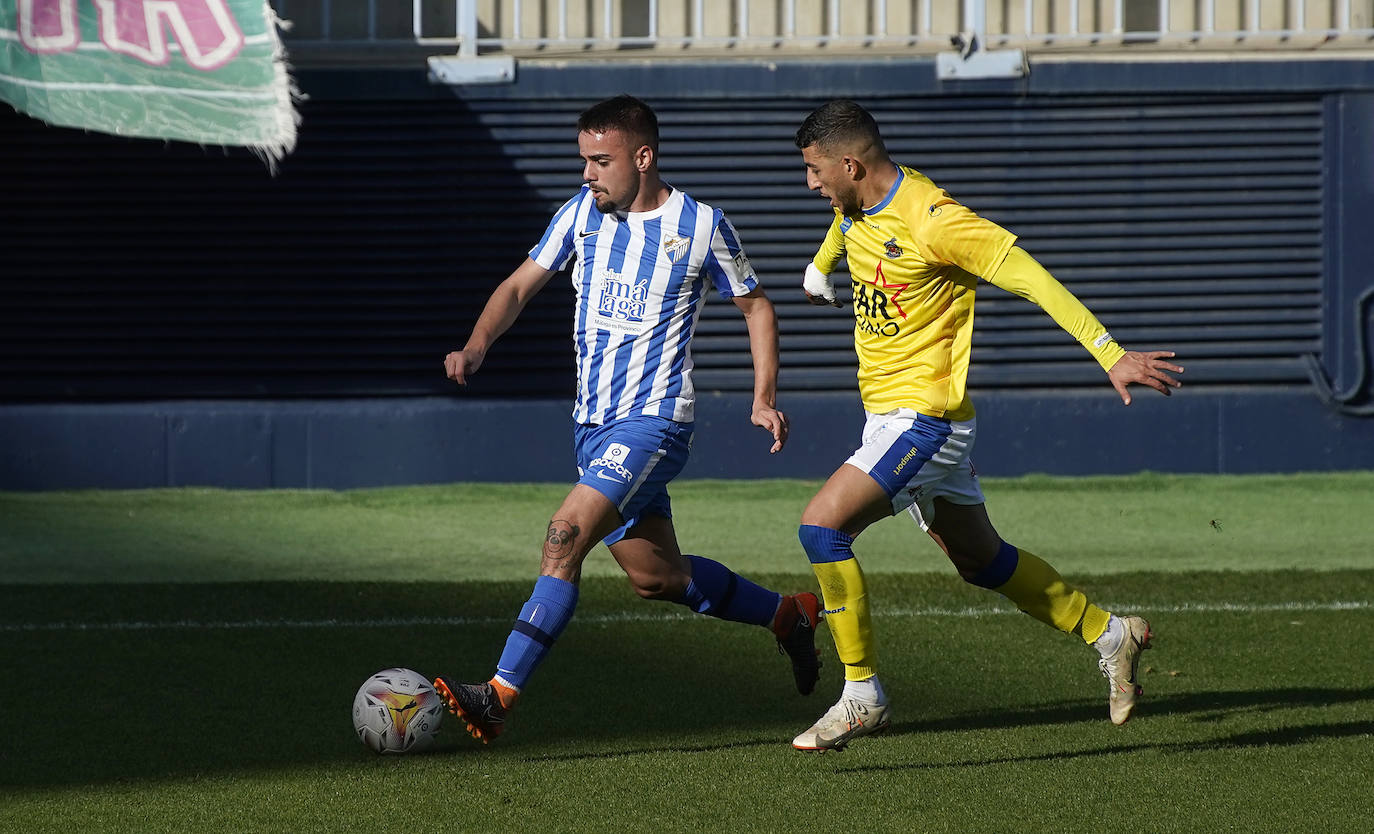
(839, 122)
(624, 113)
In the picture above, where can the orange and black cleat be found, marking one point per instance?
(477, 704)
(795, 627)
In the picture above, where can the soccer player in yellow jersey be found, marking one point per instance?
(915, 257)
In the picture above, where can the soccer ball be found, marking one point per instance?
(397, 711)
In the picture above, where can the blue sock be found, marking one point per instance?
(542, 619)
(717, 591)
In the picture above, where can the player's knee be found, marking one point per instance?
(968, 570)
(654, 586)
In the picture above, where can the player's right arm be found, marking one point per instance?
(816, 283)
(502, 309)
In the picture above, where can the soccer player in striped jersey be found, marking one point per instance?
(915, 257)
(644, 257)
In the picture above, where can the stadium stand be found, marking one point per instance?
(1199, 173)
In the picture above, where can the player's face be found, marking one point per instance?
(612, 167)
(832, 178)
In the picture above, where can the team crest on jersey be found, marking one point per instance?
(893, 250)
(675, 247)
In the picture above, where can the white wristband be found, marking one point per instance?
(818, 283)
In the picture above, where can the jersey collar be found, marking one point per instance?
(891, 192)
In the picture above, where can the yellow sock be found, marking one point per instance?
(1039, 590)
(847, 615)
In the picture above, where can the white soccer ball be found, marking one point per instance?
(397, 711)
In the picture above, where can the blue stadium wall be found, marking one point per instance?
(172, 315)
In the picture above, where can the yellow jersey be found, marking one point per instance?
(914, 262)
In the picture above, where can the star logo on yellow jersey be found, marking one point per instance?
(880, 281)
(893, 250)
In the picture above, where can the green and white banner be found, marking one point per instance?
(205, 71)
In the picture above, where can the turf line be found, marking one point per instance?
(407, 622)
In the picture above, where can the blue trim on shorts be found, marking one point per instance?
(912, 449)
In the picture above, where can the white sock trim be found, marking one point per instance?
(870, 691)
(1110, 641)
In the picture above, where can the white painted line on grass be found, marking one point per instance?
(607, 619)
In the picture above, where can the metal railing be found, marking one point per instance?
(532, 27)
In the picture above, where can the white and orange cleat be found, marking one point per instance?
(1119, 668)
(849, 719)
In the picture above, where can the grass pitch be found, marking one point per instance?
(185, 661)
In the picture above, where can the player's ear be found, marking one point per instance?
(644, 158)
(854, 168)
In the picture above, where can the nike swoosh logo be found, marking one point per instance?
(582, 235)
(605, 477)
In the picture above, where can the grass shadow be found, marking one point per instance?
(1284, 737)
(1202, 706)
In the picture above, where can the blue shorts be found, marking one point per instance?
(631, 461)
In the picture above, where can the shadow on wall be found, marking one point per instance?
(142, 270)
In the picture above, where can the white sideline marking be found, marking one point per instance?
(410, 622)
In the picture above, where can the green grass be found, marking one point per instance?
(184, 661)
(494, 531)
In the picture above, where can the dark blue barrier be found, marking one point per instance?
(362, 443)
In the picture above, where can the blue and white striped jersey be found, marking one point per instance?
(640, 279)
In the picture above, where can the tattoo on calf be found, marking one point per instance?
(558, 544)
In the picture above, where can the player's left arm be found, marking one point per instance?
(1021, 274)
(762, 321)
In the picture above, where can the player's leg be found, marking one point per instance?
(657, 569)
(845, 505)
(632, 462)
(584, 518)
(982, 558)
(903, 454)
